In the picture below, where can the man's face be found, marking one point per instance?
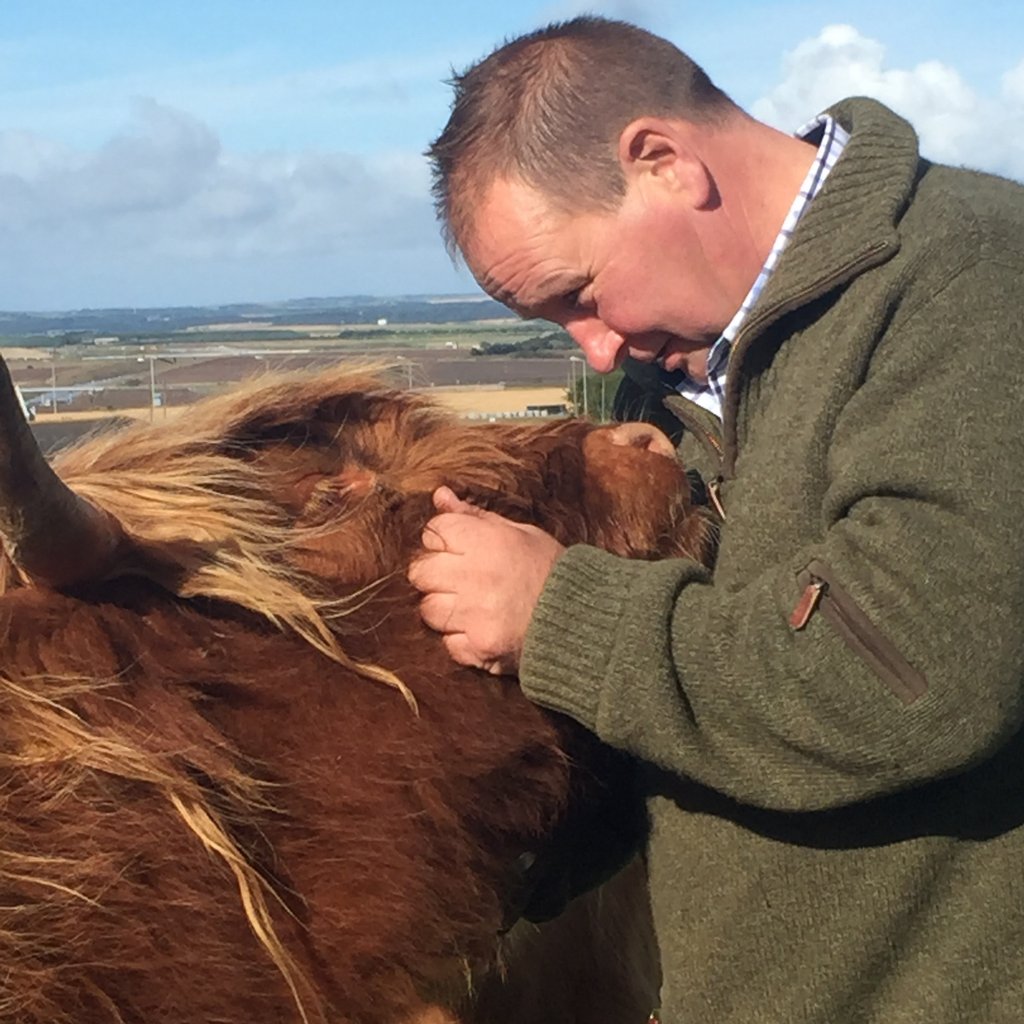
(637, 280)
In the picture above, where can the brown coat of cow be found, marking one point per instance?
(239, 780)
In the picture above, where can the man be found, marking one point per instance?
(830, 724)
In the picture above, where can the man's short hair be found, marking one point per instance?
(548, 108)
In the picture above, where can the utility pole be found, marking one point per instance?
(583, 372)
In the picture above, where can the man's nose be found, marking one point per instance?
(598, 342)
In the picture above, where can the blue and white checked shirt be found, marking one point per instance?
(833, 140)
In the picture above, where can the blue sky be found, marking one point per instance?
(209, 151)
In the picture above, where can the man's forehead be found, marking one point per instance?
(533, 300)
(506, 200)
(527, 282)
(506, 235)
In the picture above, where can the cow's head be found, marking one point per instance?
(322, 483)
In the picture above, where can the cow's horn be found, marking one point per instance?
(51, 533)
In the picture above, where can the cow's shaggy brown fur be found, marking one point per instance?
(199, 773)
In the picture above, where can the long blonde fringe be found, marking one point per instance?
(60, 736)
(252, 891)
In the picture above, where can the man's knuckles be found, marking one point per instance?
(438, 611)
(464, 651)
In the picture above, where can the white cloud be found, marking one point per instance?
(1013, 85)
(956, 123)
(163, 193)
(26, 155)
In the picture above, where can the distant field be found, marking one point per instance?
(117, 371)
(125, 378)
(258, 333)
(481, 401)
(20, 353)
(508, 400)
(322, 330)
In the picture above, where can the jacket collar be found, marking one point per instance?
(854, 220)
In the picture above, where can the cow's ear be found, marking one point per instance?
(336, 493)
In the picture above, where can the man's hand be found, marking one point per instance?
(481, 578)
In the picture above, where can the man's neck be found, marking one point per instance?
(759, 171)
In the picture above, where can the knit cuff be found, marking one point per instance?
(572, 636)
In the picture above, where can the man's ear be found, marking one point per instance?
(659, 153)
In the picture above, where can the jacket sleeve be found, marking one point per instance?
(921, 545)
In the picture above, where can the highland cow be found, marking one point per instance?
(241, 782)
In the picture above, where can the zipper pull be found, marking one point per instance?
(714, 486)
(809, 600)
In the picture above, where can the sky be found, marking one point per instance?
(216, 151)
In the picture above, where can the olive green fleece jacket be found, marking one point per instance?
(831, 724)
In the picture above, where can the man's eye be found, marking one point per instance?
(572, 299)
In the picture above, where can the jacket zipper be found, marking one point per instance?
(821, 593)
(760, 320)
(674, 403)
(713, 488)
